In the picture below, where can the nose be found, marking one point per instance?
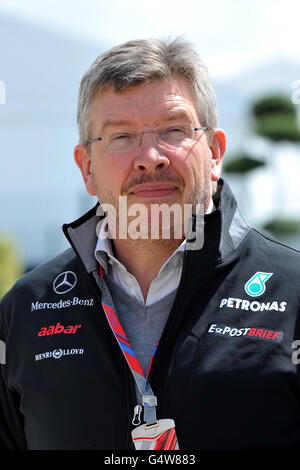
(149, 156)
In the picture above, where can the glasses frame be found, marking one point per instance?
(140, 134)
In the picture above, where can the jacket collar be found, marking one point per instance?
(223, 230)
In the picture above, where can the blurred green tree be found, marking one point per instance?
(282, 227)
(242, 163)
(273, 105)
(275, 118)
(11, 265)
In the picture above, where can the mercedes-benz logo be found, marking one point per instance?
(64, 282)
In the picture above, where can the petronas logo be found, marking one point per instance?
(257, 284)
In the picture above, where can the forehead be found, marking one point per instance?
(146, 104)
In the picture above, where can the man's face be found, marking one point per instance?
(152, 173)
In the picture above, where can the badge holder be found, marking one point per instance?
(158, 436)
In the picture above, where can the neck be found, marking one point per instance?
(152, 254)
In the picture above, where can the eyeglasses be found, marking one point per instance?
(166, 136)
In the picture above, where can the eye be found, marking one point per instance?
(121, 141)
(175, 129)
(173, 135)
(122, 136)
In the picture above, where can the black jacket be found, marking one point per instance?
(226, 369)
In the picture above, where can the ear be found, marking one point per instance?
(84, 163)
(217, 147)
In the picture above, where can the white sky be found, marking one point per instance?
(230, 35)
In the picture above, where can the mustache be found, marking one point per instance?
(162, 177)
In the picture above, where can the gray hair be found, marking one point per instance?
(138, 62)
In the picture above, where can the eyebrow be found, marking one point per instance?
(176, 116)
(115, 123)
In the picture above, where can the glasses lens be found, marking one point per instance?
(176, 135)
(122, 142)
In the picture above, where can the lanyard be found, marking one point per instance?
(149, 400)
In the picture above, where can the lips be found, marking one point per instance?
(156, 190)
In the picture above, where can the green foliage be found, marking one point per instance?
(276, 119)
(11, 267)
(242, 163)
(282, 227)
(274, 104)
(278, 128)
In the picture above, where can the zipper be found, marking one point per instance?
(161, 363)
(136, 420)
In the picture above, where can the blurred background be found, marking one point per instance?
(252, 53)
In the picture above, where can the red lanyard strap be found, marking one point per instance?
(149, 400)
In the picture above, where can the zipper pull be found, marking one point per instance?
(137, 415)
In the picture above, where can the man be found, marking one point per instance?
(195, 327)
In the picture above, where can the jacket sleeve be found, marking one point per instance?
(12, 436)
